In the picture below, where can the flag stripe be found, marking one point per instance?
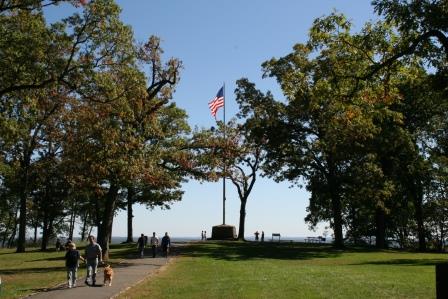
(217, 102)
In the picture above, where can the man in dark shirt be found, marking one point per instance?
(141, 245)
(166, 244)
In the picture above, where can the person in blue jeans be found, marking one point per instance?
(72, 257)
(93, 256)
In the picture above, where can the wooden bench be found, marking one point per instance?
(275, 235)
(314, 240)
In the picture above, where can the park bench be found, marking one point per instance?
(314, 239)
(275, 235)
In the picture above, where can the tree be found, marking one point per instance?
(238, 158)
(31, 5)
(321, 132)
(125, 133)
(337, 137)
(39, 74)
(422, 27)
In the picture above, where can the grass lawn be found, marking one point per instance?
(271, 270)
(26, 273)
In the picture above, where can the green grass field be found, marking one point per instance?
(271, 270)
(26, 273)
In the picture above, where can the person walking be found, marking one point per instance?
(256, 235)
(154, 242)
(93, 256)
(262, 236)
(58, 244)
(141, 245)
(72, 257)
(66, 245)
(166, 244)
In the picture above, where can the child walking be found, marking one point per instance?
(71, 262)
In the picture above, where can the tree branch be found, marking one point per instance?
(409, 50)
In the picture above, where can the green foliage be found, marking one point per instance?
(423, 29)
(80, 120)
(359, 145)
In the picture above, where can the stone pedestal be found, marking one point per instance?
(223, 232)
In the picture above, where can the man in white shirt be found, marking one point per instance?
(154, 243)
(93, 256)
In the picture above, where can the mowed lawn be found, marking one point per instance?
(29, 272)
(271, 270)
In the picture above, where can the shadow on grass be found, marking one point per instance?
(55, 258)
(3, 253)
(404, 262)
(32, 250)
(235, 251)
(127, 253)
(31, 270)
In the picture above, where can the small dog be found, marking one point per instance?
(108, 274)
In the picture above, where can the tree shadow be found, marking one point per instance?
(31, 270)
(62, 286)
(4, 253)
(32, 250)
(235, 251)
(404, 262)
(56, 258)
(40, 290)
(124, 254)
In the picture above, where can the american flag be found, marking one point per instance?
(217, 102)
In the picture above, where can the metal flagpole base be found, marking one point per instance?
(223, 232)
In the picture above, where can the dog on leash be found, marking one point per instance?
(108, 274)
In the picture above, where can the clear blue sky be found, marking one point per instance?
(223, 41)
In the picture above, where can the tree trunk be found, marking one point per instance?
(84, 226)
(97, 214)
(104, 232)
(14, 229)
(110, 231)
(13, 234)
(46, 232)
(242, 219)
(43, 244)
(130, 201)
(417, 196)
(337, 221)
(5, 233)
(22, 220)
(335, 205)
(420, 226)
(72, 224)
(23, 199)
(380, 232)
(442, 238)
(36, 224)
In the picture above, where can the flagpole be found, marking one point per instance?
(225, 162)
